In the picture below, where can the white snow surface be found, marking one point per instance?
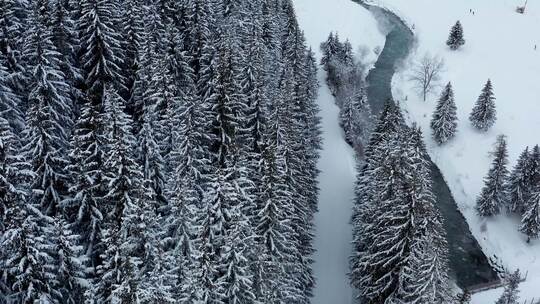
(337, 164)
(500, 46)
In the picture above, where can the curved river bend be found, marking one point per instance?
(468, 263)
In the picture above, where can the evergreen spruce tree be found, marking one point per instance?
(71, 273)
(48, 119)
(456, 40)
(10, 101)
(511, 291)
(12, 173)
(100, 53)
(84, 208)
(444, 121)
(133, 31)
(12, 27)
(123, 174)
(519, 183)
(534, 166)
(530, 222)
(483, 115)
(494, 195)
(30, 265)
(66, 40)
(354, 118)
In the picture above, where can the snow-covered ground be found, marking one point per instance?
(333, 231)
(499, 45)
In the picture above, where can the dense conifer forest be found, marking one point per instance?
(156, 151)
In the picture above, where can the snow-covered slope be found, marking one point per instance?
(499, 45)
(333, 232)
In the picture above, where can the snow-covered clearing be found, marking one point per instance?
(500, 44)
(337, 164)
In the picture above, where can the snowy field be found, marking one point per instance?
(500, 46)
(333, 232)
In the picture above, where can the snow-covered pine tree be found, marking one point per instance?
(519, 183)
(389, 262)
(444, 121)
(355, 119)
(30, 267)
(330, 48)
(123, 174)
(12, 173)
(84, 209)
(483, 115)
(511, 290)
(530, 221)
(494, 195)
(132, 21)
(66, 40)
(455, 39)
(71, 272)
(236, 257)
(389, 123)
(12, 27)
(534, 166)
(425, 275)
(49, 116)
(101, 56)
(10, 101)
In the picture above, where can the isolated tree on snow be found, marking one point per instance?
(530, 221)
(426, 74)
(511, 291)
(519, 183)
(444, 122)
(456, 40)
(495, 192)
(483, 115)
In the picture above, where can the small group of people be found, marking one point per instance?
(471, 11)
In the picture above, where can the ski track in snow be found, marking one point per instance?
(333, 231)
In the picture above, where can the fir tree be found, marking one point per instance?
(12, 28)
(444, 121)
(101, 56)
(354, 118)
(30, 265)
(511, 291)
(12, 173)
(494, 195)
(483, 115)
(48, 119)
(519, 183)
(530, 222)
(455, 40)
(71, 273)
(84, 208)
(123, 174)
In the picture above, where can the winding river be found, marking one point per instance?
(468, 263)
